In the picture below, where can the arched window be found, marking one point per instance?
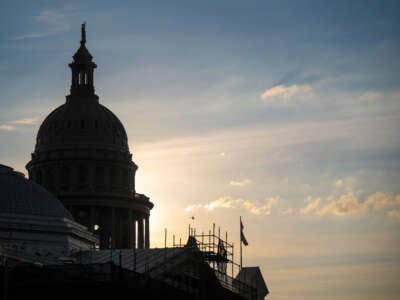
(79, 78)
(86, 78)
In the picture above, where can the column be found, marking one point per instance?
(112, 229)
(140, 233)
(74, 177)
(44, 177)
(134, 234)
(58, 177)
(106, 178)
(147, 233)
(92, 218)
(50, 179)
(91, 176)
(130, 234)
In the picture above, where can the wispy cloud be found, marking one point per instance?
(12, 125)
(263, 209)
(394, 213)
(312, 206)
(343, 205)
(370, 96)
(222, 202)
(51, 17)
(283, 94)
(240, 183)
(54, 20)
(349, 204)
(193, 207)
(6, 127)
(227, 202)
(345, 183)
(29, 36)
(25, 121)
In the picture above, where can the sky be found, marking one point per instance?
(286, 113)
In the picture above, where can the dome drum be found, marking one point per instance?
(71, 177)
(84, 153)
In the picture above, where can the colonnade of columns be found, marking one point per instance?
(117, 227)
(142, 227)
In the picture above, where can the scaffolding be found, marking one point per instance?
(219, 254)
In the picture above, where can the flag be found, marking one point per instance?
(242, 237)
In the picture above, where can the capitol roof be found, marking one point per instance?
(24, 197)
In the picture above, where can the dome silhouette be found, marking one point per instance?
(82, 122)
(82, 157)
(24, 197)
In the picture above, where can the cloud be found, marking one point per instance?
(348, 204)
(346, 183)
(342, 205)
(228, 202)
(394, 214)
(313, 205)
(287, 211)
(264, 209)
(30, 36)
(6, 127)
(240, 183)
(284, 93)
(370, 96)
(222, 202)
(192, 207)
(345, 204)
(381, 200)
(54, 20)
(12, 125)
(51, 17)
(25, 121)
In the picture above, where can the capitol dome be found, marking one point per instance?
(82, 122)
(82, 157)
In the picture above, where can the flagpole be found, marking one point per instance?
(240, 242)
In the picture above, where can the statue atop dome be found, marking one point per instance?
(83, 33)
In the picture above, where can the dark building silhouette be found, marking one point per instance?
(82, 157)
(48, 247)
(45, 254)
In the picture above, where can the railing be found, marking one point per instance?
(236, 286)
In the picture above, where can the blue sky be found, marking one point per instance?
(284, 112)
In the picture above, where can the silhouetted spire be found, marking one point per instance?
(83, 34)
(82, 68)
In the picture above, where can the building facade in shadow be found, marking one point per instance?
(81, 194)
